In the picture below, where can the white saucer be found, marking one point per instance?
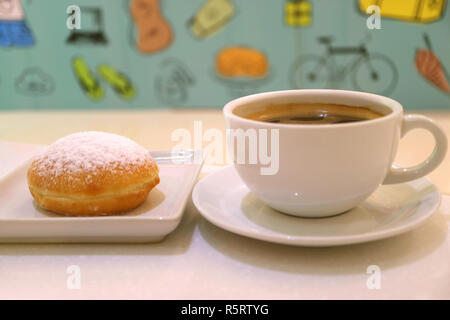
(224, 200)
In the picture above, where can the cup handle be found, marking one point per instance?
(415, 121)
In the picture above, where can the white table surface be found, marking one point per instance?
(201, 261)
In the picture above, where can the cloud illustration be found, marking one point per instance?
(34, 82)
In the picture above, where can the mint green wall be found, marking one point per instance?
(256, 23)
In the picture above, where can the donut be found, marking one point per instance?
(91, 174)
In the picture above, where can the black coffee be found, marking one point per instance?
(307, 113)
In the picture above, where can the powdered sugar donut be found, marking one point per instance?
(92, 173)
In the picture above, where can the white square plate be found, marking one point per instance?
(21, 220)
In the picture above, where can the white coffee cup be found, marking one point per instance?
(324, 170)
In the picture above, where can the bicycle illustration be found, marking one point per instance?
(369, 72)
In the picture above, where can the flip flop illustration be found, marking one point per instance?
(119, 81)
(86, 79)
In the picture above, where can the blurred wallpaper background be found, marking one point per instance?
(202, 53)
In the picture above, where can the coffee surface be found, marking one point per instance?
(307, 113)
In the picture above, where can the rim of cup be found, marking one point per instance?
(395, 106)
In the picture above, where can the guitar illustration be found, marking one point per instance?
(153, 31)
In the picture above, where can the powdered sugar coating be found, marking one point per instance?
(88, 153)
